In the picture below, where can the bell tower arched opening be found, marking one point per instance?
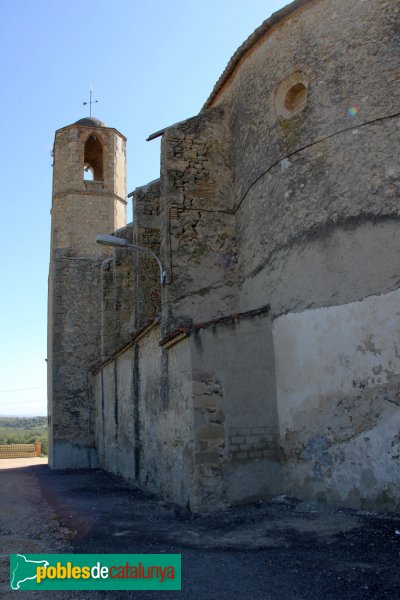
(93, 159)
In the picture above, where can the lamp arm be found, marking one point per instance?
(154, 255)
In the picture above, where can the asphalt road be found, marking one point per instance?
(280, 550)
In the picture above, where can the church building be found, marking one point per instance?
(255, 351)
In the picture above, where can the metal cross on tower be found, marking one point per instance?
(90, 101)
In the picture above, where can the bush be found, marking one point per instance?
(23, 430)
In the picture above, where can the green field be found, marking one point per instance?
(24, 430)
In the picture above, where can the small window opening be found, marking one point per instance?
(295, 97)
(93, 159)
(88, 174)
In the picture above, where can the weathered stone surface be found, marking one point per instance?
(144, 415)
(146, 274)
(117, 296)
(80, 211)
(197, 233)
(339, 406)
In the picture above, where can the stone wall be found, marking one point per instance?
(144, 419)
(194, 429)
(326, 167)
(166, 432)
(116, 416)
(235, 419)
(317, 213)
(198, 241)
(284, 192)
(268, 364)
(146, 233)
(69, 148)
(74, 344)
(338, 397)
(117, 296)
(81, 210)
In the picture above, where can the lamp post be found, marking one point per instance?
(110, 240)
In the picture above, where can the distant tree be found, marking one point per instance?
(24, 430)
(23, 422)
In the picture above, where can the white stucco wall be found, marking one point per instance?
(338, 397)
(321, 351)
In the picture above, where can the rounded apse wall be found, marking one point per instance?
(312, 156)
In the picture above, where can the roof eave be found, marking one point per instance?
(264, 28)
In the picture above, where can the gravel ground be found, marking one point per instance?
(280, 550)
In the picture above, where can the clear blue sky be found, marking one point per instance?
(152, 63)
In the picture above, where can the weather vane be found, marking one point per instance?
(90, 101)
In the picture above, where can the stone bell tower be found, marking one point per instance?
(89, 191)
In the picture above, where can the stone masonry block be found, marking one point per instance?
(206, 457)
(213, 432)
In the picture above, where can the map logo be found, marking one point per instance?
(95, 572)
(24, 570)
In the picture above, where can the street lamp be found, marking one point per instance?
(110, 240)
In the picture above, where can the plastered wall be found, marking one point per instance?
(338, 398)
(317, 226)
(193, 430)
(144, 418)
